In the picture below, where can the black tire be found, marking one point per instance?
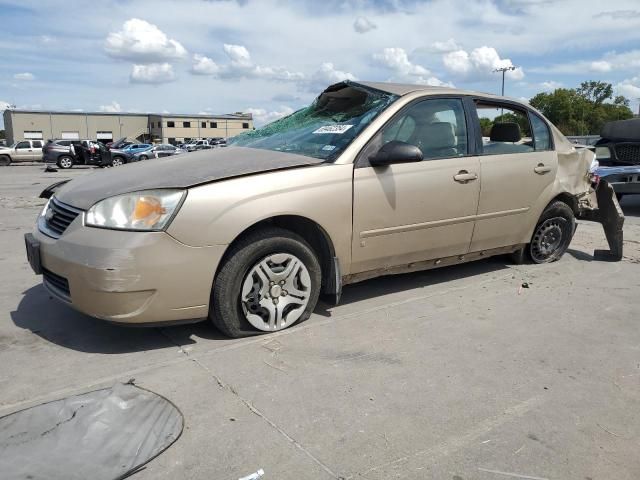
(65, 162)
(143, 157)
(225, 310)
(5, 160)
(553, 233)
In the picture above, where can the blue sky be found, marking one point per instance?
(270, 57)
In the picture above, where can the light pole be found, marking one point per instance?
(503, 70)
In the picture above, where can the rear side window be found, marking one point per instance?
(37, 144)
(64, 143)
(505, 129)
(541, 134)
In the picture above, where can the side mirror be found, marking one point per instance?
(396, 152)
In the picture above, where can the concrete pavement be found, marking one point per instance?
(457, 373)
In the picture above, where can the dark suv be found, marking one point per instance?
(618, 153)
(84, 152)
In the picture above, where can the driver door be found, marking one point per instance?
(409, 212)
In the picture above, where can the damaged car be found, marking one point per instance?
(371, 179)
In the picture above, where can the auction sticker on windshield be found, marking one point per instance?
(340, 129)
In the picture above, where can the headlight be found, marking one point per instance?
(150, 210)
(603, 153)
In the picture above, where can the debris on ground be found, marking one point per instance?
(253, 476)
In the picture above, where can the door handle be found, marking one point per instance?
(541, 169)
(464, 176)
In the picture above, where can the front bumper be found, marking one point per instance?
(128, 277)
(624, 180)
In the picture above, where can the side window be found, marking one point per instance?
(37, 144)
(171, 124)
(541, 134)
(437, 127)
(23, 145)
(64, 143)
(505, 129)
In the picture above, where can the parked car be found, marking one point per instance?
(372, 179)
(67, 153)
(127, 154)
(198, 145)
(22, 151)
(618, 153)
(157, 151)
(217, 142)
(119, 144)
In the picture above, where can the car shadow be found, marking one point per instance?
(60, 324)
(408, 281)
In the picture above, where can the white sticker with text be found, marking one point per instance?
(339, 129)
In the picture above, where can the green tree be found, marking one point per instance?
(485, 126)
(583, 110)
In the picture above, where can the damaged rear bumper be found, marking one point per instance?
(609, 214)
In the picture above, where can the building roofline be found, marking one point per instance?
(225, 116)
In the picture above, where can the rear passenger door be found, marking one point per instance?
(517, 167)
(408, 212)
(36, 147)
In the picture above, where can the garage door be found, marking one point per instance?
(70, 135)
(33, 135)
(105, 136)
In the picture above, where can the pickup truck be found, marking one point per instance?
(22, 151)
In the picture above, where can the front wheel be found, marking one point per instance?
(117, 162)
(269, 281)
(5, 160)
(553, 233)
(65, 162)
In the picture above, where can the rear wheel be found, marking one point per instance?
(269, 281)
(144, 157)
(65, 162)
(5, 160)
(553, 233)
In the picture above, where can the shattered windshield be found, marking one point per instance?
(323, 129)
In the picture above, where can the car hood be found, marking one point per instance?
(181, 171)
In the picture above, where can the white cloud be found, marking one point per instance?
(47, 39)
(403, 70)
(241, 66)
(143, 42)
(26, 76)
(203, 65)
(262, 116)
(629, 87)
(445, 47)
(551, 85)
(113, 107)
(480, 63)
(363, 25)
(238, 54)
(4, 105)
(153, 73)
(600, 66)
(396, 59)
(327, 75)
